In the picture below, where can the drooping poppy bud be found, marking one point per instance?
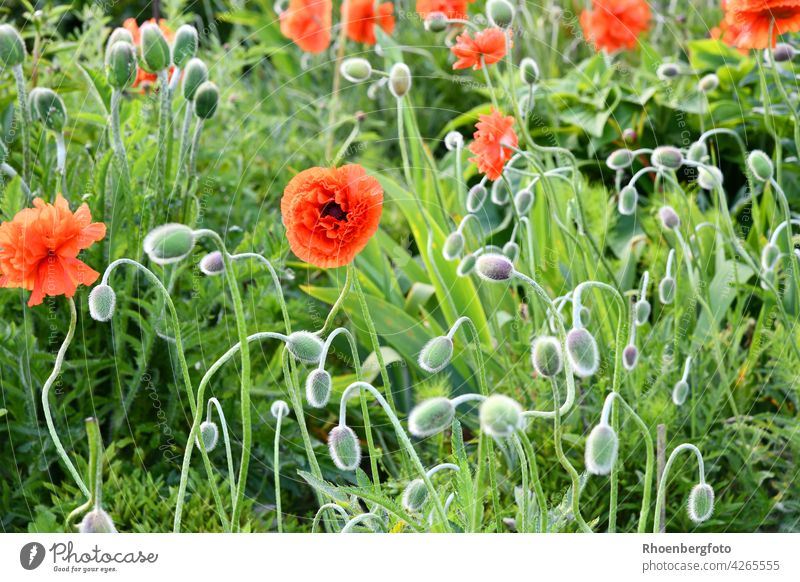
(431, 417)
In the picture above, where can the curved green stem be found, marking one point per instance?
(662, 486)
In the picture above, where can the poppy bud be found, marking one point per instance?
(415, 495)
(212, 264)
(494, 267)
(708, 83)
(709, 177)
(760, 165)
(305, 346)
(701, 503)
(12, 47)
(523, 201)
(628, 199)
(453, 245)
(500, 416)
(209, 433)
(697, 152)
(155, 50)
(194, 75)
(47, 107)
(629, 135)
(783, 52)
(667, 157)
(476, 197)
(511, 250)
(769, 256)
(546, 356)
(680, 392)
(399, 80)
(529, 71)
(344, 447)
(119, 35)
(279, 409)
(630, 355)
(431, 417)
(102, 301)
(666, 290)
(500, 13)
(169, 243)
(436, 354)
(601, 450)
(641, 311)
(669, 218)
(436, 22)
(667, 71)
(356, 70)
(121, 65)
(453, 141)
(466, 266)
(582, 352)
(185, 45)
(620, 159)
(97, 521)
(318, 388)
(206, 98)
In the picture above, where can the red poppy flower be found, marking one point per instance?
(488, 47)
(39, 249)
(331, 213)
(361, 16)
(142, 76)
(494, 139)
(751, 20)
(612, 25)
(456, 9)
(308, 24)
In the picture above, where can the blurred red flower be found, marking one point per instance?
(612, 25)
(494, 138)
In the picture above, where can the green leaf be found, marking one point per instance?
(710, 54)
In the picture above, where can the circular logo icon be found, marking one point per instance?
(31, 555)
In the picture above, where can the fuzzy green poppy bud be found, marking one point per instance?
(494, 267)
(436, 22)
(529, 71)
(102, 301)
(318, 388)
(511, 250)
(169, 243)
(97, 521)
(630, 355)
(523, 201)
(121, 65)
(669, 218)
(760, 165)
(582, 352)
(697, 152)
(12, 47)
(206, 98)
(155, 49)
(305, 346)
(212, 264)
(783, 52)
(476, 197)
(667, 71)
(769, 256)
(415, 495)
(500, 13)
(701, 503)
(708, 83)
(399, 80)
(680, 392)
(620, 159)
(546, 356)
(48, 107)
(185, 45)
(119, 35)
(431, 417)
(466, 266)
(436, 354)
(667, 157)
(279, 409)
(356, 70)
(709, 177)
(601, 450)
(500, 416)
(628, 199)
(194, 75)
(641, 311)
(344, 447)
(209, 434)
(666, 290)
(453, 245)
(453, 141)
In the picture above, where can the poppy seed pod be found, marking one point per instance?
(155, 49)
(769, 256)
(102, 301)
(436, 354)
(494, 267)
(318, 388)
(523, 201)
(697, 152)
(529, 71)
(760, 165)
(169, 243)
(668, 217)
(500, 13)
(344, 447)
(97, 521)
(212, 264)
(666, 290)
(511, 250)
(279, 409)
(602, 445)
(628, 199)
(209, 433)
(630, 355)
(121, 65)
(185, 45)
(709, 177)
(476, 197)
(415, 495)
(582, 352)
(667, 71)
(620, 159)
(49, 108)
(667, 157)
(680, 392)
(453, 245)
(12, 47)
(356, 70)
(305, 346)
(399, 80)
(466, 266)
(194, 75)
(546, 356)
(431, 417)
(708, 83)
(641, 311)
(783, 52)
(701, 503)
(206, 98)
(500, 416)
(436, 22)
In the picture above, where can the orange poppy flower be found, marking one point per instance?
(612, 25)
(39, 249)
(488, 47)
(494, 138)
(450, 8)
(308, 24)
(752, 18)
(130, 24)
(727, 31)
(361, 16)
(331, 213)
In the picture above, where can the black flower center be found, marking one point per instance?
(331, 208)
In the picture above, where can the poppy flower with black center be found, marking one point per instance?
(331, 213)
(752, 19)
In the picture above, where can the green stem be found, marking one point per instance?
(537, 484)
(277, 472)
(22, 100)
(662, 486)
(163, 126)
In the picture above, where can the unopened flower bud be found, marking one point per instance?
(453, 245)
(529, 71)
(102, 301)
(500, 416)
(209, 434)
(453, 141)
(494, 267)
(155, 49)
(620, 159)
(641, 311)
(629, 135)
(667, 71)
(279, 409)
(476, 197)
(709, 177)
(356, 69)
(679, 392)
(667, 157)
(169, 243)
(305, 346)
(783, 52)
(668, 217)
(523, 201)
(185, 45)
(760, 165)
(119, 35)
(97, 521)
(628, 199)
(194, 75)
(206, 98)
(212, 264)
(436, 22)
(399, 80)
(708, 83)
(415, 495)
(666, 290)
(344, 447)
(48, 107)
(318, 388)
(431, 417)
(582, 352)
(601, 450)
(121, 65)
(436, 354)
(701, 503)
(466, 266)
(546, 356)
(630, 355)
(697, 152)
(12, 47)
(500, 13)
(769, 256)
